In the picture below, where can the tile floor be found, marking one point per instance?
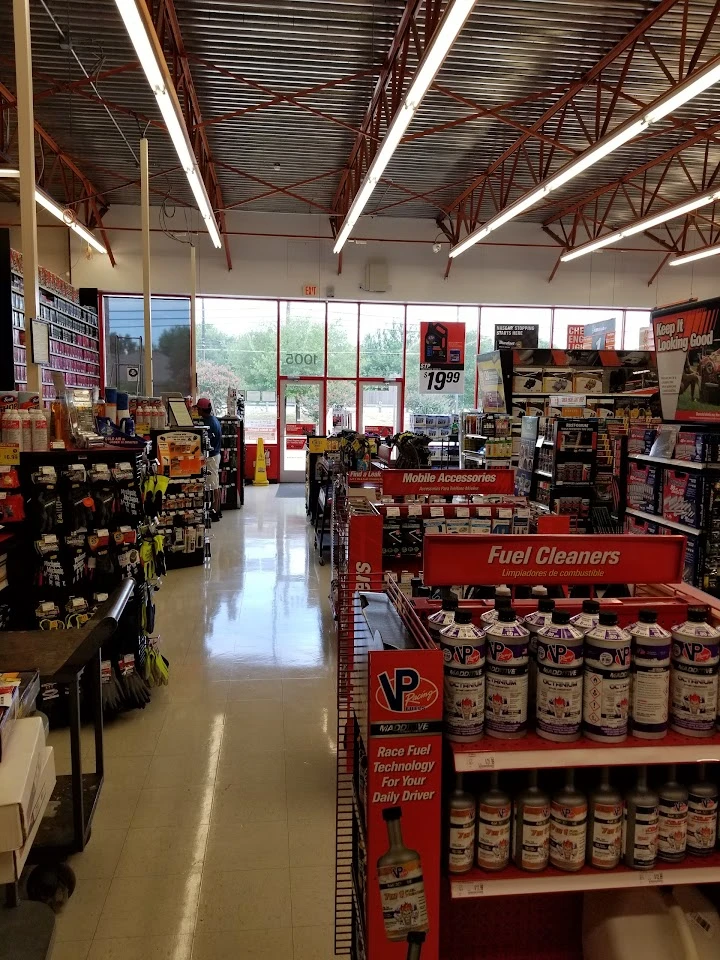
(214, 837)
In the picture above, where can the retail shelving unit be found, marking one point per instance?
(232, 463)
(377, 720)
(486, 440)
(184, 519)
(72, 318)
(565, 468)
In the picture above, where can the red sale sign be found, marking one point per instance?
(560, 558)
(398, 483)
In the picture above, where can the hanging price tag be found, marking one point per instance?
(10, 454)
(441, 381)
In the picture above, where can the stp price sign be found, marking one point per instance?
(442, 357)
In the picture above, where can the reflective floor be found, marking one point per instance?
(214, 838)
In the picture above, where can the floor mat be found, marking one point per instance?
(287, 490)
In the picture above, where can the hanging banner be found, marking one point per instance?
(491, 386)
(576, 336)
(516, 336)
(442, 357)
(519, 559)
(600, 335)
(687, 344)
(397, 483)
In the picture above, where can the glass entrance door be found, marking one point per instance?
(302, 406)
(380, 407)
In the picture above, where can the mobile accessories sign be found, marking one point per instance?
(398, 483)
(442, 357)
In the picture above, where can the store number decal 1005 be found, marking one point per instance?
(442, 381)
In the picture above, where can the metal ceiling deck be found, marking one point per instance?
(257, 61)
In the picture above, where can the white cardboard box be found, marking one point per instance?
(20, 776)
(13, 861)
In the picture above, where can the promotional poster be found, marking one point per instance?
(404, 777)
(687, 341)
(398, 483)
(491, 383)
(442, 357)
(516, 336)
(600, 335)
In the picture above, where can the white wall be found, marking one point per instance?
(282, 263)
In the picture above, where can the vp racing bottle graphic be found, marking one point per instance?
(402, 889)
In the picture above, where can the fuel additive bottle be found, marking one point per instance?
(462, 814)
(606, 690)
(702, 815)
(650, 704)
(506, 682)
(694, 675)
(463, 649)
(444, 617)
(534, 621)
(588, 618)
(568, 826)
(531, 826)
(672, 819)
(559, 697)
(605, 824)
(493, 829)
(641, 824)
(400, 877)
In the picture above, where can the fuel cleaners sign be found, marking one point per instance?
(560, 558)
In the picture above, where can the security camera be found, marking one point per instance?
(437, 247)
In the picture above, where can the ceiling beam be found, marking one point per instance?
(416, 28)
(97, 202)
(167, 28)
(466, 209)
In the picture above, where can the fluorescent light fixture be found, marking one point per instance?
(9, 173)
(451, 25)
(592, 246)
(701, 82)
(696, 255)
(153, 63)
(60, 212)
(646, 223)
(688, 90)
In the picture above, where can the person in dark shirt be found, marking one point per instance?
(204, 407)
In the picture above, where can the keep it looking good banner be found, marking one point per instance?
(687, 341)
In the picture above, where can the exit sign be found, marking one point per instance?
(310, 290)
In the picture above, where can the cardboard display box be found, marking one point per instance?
(13, 861)
(20, 775)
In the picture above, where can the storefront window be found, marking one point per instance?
(124, 331)
(638, 334)
(302, 338)
(382, 340)
(341, 405)
(342, 339)
(491, 317)
(237, 347)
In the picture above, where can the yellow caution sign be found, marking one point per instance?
(261, 479)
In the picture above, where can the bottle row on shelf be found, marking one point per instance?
(575, 676)
(567, 827)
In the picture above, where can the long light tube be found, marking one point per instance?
(60, 212)
(688, 90)
(696, 255)
(153, 63)
(451, 25)
(46, 201)
(646, 223)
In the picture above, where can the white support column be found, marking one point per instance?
(193, 323)
(26, 155)
(145, 219)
